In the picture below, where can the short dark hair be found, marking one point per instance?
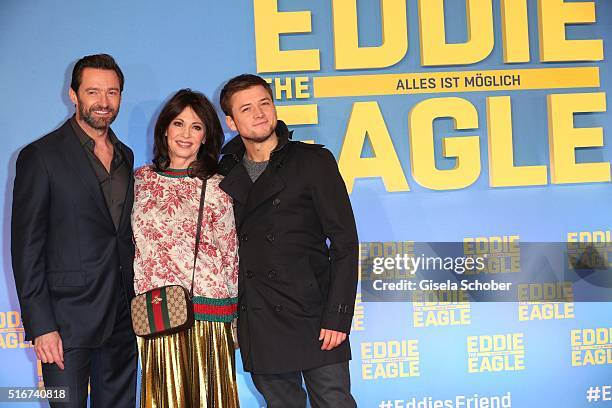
(240, 83)
(98, 61)
(207, 158)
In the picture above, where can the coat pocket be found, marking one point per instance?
(66, 278)
(305, 276)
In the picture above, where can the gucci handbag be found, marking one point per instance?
(168, 309)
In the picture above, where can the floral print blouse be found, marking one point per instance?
(164, 222)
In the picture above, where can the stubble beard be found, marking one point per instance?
(96, 123)
(256, 139)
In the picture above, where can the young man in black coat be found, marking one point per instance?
(296, 292)
(71, 245)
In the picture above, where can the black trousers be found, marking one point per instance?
(328, 386)
(109, 369)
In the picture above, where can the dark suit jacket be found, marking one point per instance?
(291, 283)
(70, 263)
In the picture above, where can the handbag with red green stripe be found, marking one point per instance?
(162, 311)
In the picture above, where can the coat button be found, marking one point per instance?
(244, 237)
(243, 308)
(278, 308)
(250, 274)
(271, 237)
(272, 274)
(276, 202)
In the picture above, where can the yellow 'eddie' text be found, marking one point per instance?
(590, 248)
(591, 346)
(440, 308)
(501, 253)
(359, 315)
(546, 301)
(366, 118)
(390, 359)
(12, 335)
(368, 251)
(553, 17)
(498, 352)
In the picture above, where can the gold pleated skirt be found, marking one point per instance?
(190, 369)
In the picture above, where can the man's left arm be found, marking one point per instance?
(333, 207)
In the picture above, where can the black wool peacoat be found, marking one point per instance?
(298, 255)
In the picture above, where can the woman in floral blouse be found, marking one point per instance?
(193, 368)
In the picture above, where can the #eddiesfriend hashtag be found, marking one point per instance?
(385, 404)
(599, 393)
(593, 394)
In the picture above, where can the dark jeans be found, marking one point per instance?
(328, 386)
(111, 369)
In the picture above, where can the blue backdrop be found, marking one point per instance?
(162, 47)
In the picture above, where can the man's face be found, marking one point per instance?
(253, 114)
(98, 98)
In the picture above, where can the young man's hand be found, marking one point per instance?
(235, 333)
(331, 339)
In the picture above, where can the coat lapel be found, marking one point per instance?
(77, 159)
(267, 185)
(237, 184)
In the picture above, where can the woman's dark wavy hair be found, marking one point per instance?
(207, 158)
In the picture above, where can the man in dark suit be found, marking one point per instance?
(72, 245)
(296, 292)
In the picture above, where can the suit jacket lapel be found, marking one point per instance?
(77, 159)
(129, 193)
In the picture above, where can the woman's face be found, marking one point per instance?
(185, 135)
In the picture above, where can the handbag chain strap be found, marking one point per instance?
(198, 233)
